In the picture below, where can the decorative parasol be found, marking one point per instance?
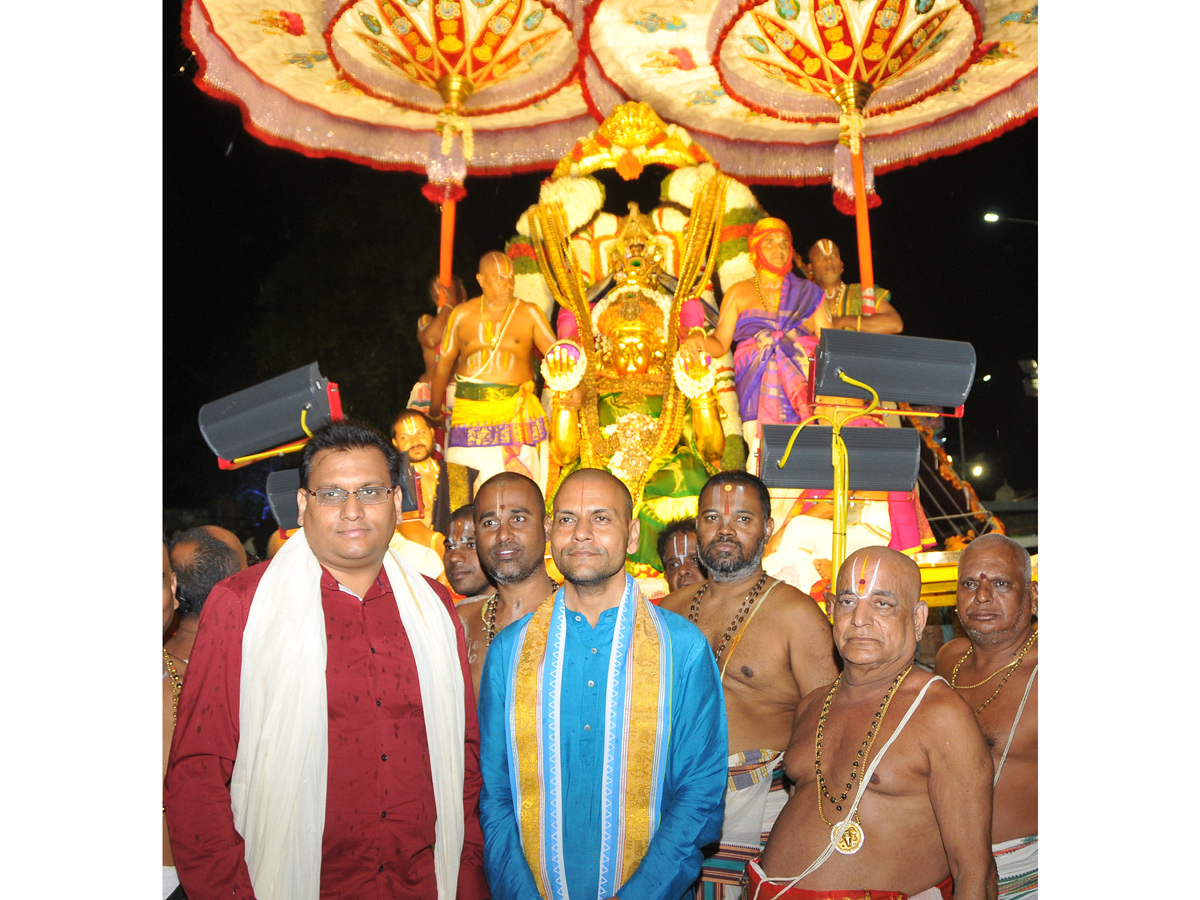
(492, 87)
(441, 85)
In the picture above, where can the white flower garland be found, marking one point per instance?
(580, 197)
(570, 380)
(740, 268)
(683, 183)
(693, 388)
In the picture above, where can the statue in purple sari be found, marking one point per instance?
(768, 318)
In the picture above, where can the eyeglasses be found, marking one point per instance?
(367, 496)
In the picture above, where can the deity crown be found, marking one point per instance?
(635, 259)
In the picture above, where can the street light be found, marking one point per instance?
(992, 217)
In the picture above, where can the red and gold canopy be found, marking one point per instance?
(750, 80)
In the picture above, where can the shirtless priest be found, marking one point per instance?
(772, 647)
(497, 423)
(997, 605)
(891, 758)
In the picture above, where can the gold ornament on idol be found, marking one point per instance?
(1012, 667)
(853, 836)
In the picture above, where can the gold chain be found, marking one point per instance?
(489, 618)
(772, 308)
(489, 332)
(864, 752)
(1012, 667)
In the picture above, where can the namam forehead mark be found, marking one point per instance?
(411, 424)
(498, 262)
(680, 537)
(600, 502)
(826, 246)
(864, 579)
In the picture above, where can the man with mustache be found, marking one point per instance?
(998, 605)
(772, 645)
(510, 539)
(603, 725)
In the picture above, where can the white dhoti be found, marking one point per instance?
(754, 797)
(1017, 866)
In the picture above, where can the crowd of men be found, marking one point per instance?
(479, 701)
(337, 727)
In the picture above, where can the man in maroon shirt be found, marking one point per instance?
(384, 790)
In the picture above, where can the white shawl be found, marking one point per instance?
(278, 785)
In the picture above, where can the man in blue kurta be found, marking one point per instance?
(603, 734)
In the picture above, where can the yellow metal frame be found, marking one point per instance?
(277, 451)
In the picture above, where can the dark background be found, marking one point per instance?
(272, 260)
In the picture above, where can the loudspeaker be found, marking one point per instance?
(879, 459)
(901, 368)
(282, 485)
(270, 414)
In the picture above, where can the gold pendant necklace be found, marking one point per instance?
(852, 837)
(1012, 667)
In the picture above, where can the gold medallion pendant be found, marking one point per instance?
(851, 840)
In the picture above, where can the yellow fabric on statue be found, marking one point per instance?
(495, 415)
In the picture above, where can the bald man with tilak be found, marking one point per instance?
(890, 757)
(497, 423)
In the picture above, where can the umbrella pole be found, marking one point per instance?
(852, 96)
(447, 247)
(866, 271)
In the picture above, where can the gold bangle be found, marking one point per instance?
(559, 402)
(858, 324)
(704, 402)
(695, 328)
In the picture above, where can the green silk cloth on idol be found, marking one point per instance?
(673, 482)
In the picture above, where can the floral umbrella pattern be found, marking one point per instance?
(359, 79)
(904, 49)
(512, 51)
(282, 68)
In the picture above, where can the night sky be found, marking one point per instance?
(272, 260)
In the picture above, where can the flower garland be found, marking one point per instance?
(694, 388)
